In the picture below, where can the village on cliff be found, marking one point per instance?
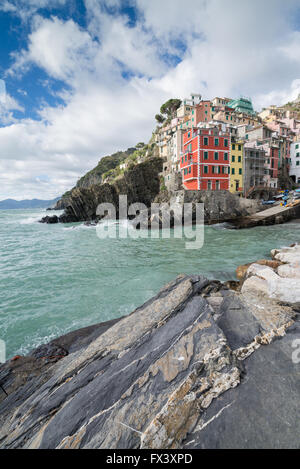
(223, 144)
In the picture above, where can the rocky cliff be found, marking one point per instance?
(95, 176)
(197, 366)
(140, 184)
(220, 206)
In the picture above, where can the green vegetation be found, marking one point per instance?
(105, 167)
(162, 184)
(168, 110)
(170, 107)
(108, 169)
(159, 118)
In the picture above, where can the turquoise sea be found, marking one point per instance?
(57, 278)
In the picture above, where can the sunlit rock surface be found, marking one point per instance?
(197, 366)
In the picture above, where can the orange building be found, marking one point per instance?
(205, 162)
(202, 112)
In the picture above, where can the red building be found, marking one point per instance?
(205, 161)
(274, 160)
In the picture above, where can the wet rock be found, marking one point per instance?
(50, 220)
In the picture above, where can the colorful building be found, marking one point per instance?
(255, 170)
(295, 162)
(243, 105)
(202, 112)
(204, 163)
(236, 166)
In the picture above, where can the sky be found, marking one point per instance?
(81, 79)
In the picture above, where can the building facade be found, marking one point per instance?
(295, 162)
(204, 163)
(255, 169)
(237, 166)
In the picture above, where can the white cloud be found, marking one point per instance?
(7, 105)
(226, 48)
(60, 48)
(26, 8)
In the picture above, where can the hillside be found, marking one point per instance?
(108, 169)
(141, 183)
(106, 164)
(10, 204)
(293, 106)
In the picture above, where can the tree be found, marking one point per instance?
(159, 118)
(170, 107)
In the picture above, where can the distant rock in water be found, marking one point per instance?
(50, 220)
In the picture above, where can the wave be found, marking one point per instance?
(222, 226)
(30, 220)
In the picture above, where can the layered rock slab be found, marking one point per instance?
(159, 377)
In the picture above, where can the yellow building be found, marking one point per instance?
(236, 166)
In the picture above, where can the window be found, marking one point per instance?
(232, 171)
(205, 169)
(205, 141)
(190, 170)
(240, 171)
(209, 185)
(216, 142)
(186, 158)
(216, 156)
(240, 147)
(225, 156)
(239, 159)
(233, 146)
(189, 134)
(217, 185)
(233, 159)
(297, 163)
(297, 146)
(225, 142)
(206, 155)
(298, 154)
(182, 159)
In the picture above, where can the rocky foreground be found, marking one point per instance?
(200, 365)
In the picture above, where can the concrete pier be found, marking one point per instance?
(272, 216)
